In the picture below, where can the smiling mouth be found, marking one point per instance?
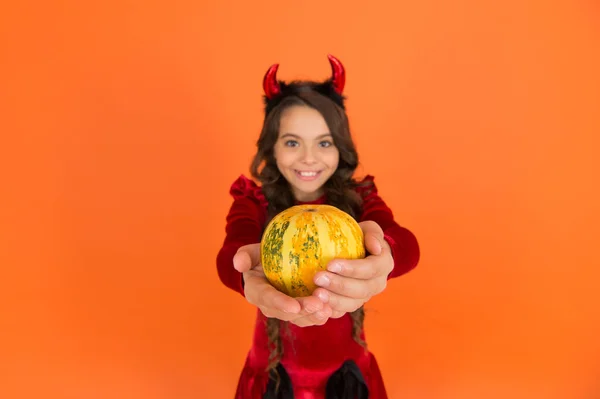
(307, 175)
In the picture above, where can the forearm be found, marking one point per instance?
(230, 277)
(403, 243)
(243, 228)
(405, 249)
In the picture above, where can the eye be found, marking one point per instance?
(325, 143)
(291, 143)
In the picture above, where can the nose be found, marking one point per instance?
(308, 156)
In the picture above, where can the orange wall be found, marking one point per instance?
(124, 124)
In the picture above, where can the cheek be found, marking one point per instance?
(284, 158)
(331, 159)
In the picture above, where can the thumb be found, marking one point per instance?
(373, 237)
(247, 257)
(373, 243)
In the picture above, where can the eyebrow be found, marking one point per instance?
(296, 136)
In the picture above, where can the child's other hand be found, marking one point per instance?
(303, 312)
(349, 283)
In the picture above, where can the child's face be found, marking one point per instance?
(304, 151)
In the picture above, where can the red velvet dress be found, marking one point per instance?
(316, 352)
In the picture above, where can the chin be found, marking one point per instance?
(310, 189)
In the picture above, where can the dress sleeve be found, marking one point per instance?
(244, 225)
(404, 245)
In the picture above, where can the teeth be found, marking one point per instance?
(308, 174)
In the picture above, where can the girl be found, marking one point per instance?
(311, 347)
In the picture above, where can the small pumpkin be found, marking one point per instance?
(302, 240)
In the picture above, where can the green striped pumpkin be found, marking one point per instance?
(301, 241)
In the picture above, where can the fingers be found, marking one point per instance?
(317, 312)
(336, 314)
(370, 267)
(312, 311)
(273, 303)
(317, 319)
(281, 303)
(242, 261)
(344, 296)
(304, 311)
(361, 269)
(371, 231)
(373, 243)
(310, 304)
(349, 283)
(339, 304)
(349, 287)
(247, 257)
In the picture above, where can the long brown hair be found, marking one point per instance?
(339, 189)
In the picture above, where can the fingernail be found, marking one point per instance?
(335, 267)
(323, 281)
(323, 296)
(320, 315)
(377, 247)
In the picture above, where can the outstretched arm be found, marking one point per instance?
(392, 250)
(403, 243)
(243, 227)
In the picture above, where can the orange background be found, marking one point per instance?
(124, 124)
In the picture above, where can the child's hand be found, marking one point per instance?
(303, 312)
(354, 281)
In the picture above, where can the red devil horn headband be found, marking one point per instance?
(338, 75)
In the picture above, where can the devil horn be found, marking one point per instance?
(338, 74)
(270, 85)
